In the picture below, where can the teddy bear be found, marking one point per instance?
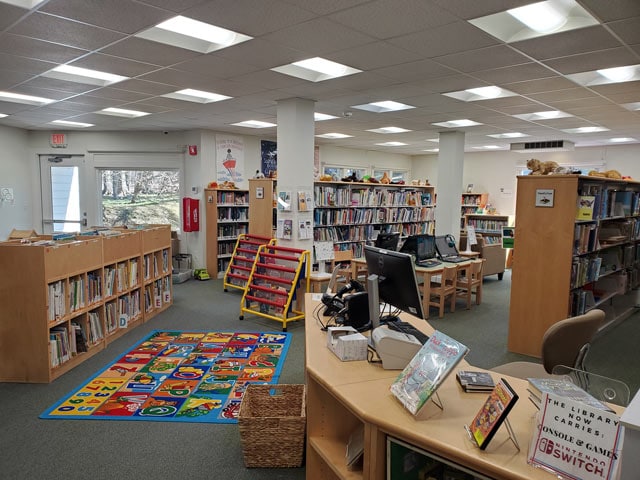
(385, 179)
(541, 168)
(615, 174)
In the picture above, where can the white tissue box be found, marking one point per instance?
(347, 343)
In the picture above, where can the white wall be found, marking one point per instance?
(332, 155)
(16, 172)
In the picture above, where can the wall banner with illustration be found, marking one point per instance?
(230, 158)
(269, 158)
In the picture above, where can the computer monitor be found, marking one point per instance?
(446, 245)
(397, 282)
(422, 246)
(388, 241)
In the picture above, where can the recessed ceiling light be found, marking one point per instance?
(27, 99)
(622, 139)
(198, 96)
(488, 147)
(508, 135)
(2, 115)
(627, 73)
(316, 69)
(632, 106)
(193, 35)
(334, 135)
(388, 130)
(480, 93)
(320, 117)
(432, 150)
(392, 144)
(254, 124)
(68, 123)
(122, 112)
(585, 130)
(384, 106)
(544, 115)
(83, 75)
(28, 4)
(457, 123)
(435, 140)
(535, 20)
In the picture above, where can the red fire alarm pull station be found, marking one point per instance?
(190, 214)
(193, 149)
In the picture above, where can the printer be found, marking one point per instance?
(395, 349)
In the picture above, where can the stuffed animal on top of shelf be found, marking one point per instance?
(542, 168)
(615, 174)
(385, 179)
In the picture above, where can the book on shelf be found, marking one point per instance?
(355, 447)
(475, 380)
(493, 413)
(562, 387)
(585, 207)
(426, 371)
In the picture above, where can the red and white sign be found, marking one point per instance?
(193, 149)
(58, 140)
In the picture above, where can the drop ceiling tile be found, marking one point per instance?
(65, 32)
(116, 65)
(376, 55)
(10, 79)
(59, 85)
(468, 10)
(628, 29)
(449, 83)
(497, 103)
(37, 49)
(625, 97)
(570, 106)
(98, 102)
(217, 66)
(251, 17)
(612, 9)
(273, 80)
(150, 52)
(174, 5)
(614, 88)
(24, 65)
(318, 37)
(263, 53)
(11, 108)
(416, 71)
(124, 16)
(584, 62)
(29, 89)
(445, 40)
(540, 85)
(9, 14)
(513, 73)
(120, 95)
(483, 59)
(563, 95)
(326, 6)
(146, 87)
(373, 17)
(563, 44)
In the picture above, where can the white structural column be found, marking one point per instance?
(295, 169)
(449, 185)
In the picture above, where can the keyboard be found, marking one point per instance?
(428, 263)
(455, 259)
(407, 328)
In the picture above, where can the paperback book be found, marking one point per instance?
(475, 381)
(493, 413)
(427, 370)
(563, 388)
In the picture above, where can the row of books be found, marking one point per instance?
(56, 298)
(595, 204)
(150, 266)
(585, 270)
(59, 347)
(76, 293)
(356, 216)
(234, 230)
(233, 214)
(329, 196)
(486, 225)
(96, 332)
(231, 197)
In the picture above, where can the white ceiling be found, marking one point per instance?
(410, 51)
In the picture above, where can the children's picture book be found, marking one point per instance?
(288, 229)
(427, 370)
(494, 411)
(585, 207)
(284, 201)
(562, 387)
(475, 380)
(302, 202)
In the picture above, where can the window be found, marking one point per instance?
(137, 196)
(395, 175)
(339, 172)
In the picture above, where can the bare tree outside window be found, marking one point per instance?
(140, 197)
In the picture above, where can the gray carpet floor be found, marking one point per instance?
(31, 448)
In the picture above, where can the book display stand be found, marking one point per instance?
(244, 254)
(276, 274)
(511, 433)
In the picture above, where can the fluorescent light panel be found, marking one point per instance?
(334, 135)
(544, 115)
(87, 76)
(431, 150)
(457, 123)
(535, 20)
(508, 135)
(627, 73)
(321, 117)
(26, 99)
(2, 115)
(622, 139)
(28, 4)
(388, 130)
(480, 93)
(197, 96)
(254, 124)
(392, 144)
(193, 35)
(316, 69)
(488, 147)
(383, 106)
(593, 129)
(122, 112)
(68, 123)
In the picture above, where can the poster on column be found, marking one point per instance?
(230, 159)
(269, 160)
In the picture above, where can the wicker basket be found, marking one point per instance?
(272, 422)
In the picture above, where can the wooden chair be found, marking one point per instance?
(344, 258)
(447, 287)
(471, 283)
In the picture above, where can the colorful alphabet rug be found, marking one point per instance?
(178, 377)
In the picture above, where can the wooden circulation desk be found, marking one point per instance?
(343, 395)
(423, 273)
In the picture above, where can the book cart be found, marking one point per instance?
(273, 281)
(244, 255)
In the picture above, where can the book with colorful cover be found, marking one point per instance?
(494, 411)
(427, 370)
(586, 204)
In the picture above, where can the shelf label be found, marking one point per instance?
(544, 197)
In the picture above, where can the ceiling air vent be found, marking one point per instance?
(547, 146)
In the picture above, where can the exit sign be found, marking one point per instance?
(58, 140)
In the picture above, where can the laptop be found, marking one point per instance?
(423, 248)
(447, 251)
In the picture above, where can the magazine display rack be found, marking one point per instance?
(244, 255)
(274, 279)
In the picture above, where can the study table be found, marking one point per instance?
(341, 396)
(424, 273)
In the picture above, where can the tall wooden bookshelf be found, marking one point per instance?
(349, 214)
(56, 300)
(471, 203)
(227, 215)
(564, 266)
(262, 207)
(489, 226)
